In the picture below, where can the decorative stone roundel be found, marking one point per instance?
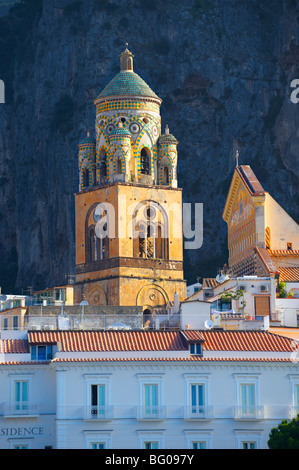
(134, 128)
(155, 131)
(110, 128)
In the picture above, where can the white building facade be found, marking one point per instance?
(145, 390)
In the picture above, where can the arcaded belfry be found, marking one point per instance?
(129, 245)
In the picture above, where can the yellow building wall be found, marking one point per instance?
(283, 229)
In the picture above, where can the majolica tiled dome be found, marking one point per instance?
(168, 137)
(88, 140)
(127, 83)
(120, 131)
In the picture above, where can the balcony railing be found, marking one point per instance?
(293, 412)
(198, 413)
(100, 413)
(249, 413)
(20, 409)
(151, 413)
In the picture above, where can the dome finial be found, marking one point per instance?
(126, 60)
(166, 129)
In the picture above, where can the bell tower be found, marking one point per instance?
(129, 241)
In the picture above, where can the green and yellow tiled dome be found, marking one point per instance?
(127, 84)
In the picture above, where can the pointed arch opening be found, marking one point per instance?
(145, 161)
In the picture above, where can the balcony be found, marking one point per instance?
(249, 413)
(99, 413)
(20, 410)
(151, 413)
(198, 413)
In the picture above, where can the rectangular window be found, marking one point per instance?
(197, 399)
(195, 349)
(198, 445)
(151, 445)
(151, 399)
(97, 445)
(97, 400)
(41, 353)
(5, 324)
(21, 388)
(247, 399)
(248, 445)
(15, 323)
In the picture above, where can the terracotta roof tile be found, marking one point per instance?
(87, 341)
(83, 341)
(8, 346)
(209, 283)
(283, 252)
(250, 180)
(245, 341)
(267, 260)
(290, 274)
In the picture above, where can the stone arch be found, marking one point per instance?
(152, 295)
(97, 297)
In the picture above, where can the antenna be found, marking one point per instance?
(209, 324)
(237, 158)
(220, 278)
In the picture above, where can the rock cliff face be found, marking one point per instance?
(223, 70)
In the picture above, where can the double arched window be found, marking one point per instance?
(98, 248)
(150, 233)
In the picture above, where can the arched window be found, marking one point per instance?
(149, 242)
(145, 162)
(119, 169)
(98, 248)
(85, 177)
(103, 166)
(165, 175)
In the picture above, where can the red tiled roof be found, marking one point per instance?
(245, 341)
(209, 283)
(290, 274)
(250, 180)
(267, 260)
(8, 346)
(283, 252)
(110, 340)
(88, 341)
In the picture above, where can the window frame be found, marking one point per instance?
(97, 380)
(149, 436)
(195, 436)
(149, 379)
(197, 380)
(247, 379)
(97, 437)
(36, 347)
